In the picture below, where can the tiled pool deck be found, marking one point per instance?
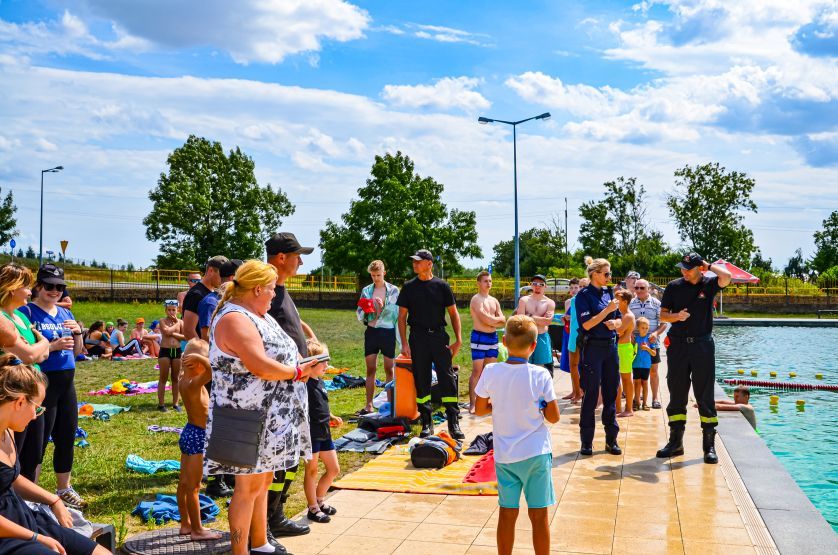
(634, 503)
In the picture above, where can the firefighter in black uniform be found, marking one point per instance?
(423, 302)
(688, 305)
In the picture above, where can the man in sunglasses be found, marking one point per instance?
(540, 308)
(211, 280)
(688, 304)
(191, 279)
(644, 305)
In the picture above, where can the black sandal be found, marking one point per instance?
(328, 509)
(318, 516)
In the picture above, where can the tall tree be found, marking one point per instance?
(397, 212)
(826, 244)
(596, 234)
(8, 222)
(209, 203)
(796, 266)
(540, 250)
(765, 265)
(707, 206)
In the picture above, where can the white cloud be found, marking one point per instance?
(440, 33)
(445, 94)
(248, 30)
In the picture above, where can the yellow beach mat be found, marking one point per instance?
(392, 471)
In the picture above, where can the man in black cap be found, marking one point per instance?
(688, 305)
(423, 302)
(284, 254)
(207, 306)
(211, 280)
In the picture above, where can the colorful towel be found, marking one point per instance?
(170, 429)
(164, 508)
(139, 464)
(97, 411)
(126, 387)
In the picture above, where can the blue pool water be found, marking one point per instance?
(805, 441)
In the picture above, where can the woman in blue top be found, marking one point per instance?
(60, 328)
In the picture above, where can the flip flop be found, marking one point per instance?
(656, 404)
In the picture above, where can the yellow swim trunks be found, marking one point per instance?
(626, 354)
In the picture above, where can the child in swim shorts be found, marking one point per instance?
(197, 373)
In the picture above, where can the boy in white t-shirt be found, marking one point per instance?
(520, 397)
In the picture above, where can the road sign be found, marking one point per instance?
(12, 243)
(490, 268)
(64, 247)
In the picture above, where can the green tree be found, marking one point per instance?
(596, 233)
(30, 252)
(758, 263)
(826, 244)
(20, 253)
(8, 222)
(707, 207)
(540, 250)
(397, 212)
(209, 203)
(796, 266)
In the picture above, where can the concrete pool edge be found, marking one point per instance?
(795, 525)
(777, 322)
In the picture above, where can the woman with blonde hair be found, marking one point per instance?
(597, 312)
(30, 347)
(22, 390)
(255, 376)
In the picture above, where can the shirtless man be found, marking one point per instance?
(196, 374)
(540, 308)
(625, 350)
(171, 328)
(486, 318)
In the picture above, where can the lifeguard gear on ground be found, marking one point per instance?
(434, 451)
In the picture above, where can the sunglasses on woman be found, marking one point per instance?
(54, 287)
(39, 410)
(606, 274)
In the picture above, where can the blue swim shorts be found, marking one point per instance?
(484, 345)
(543, 353)
(532, 476)
(192, 440)
(323, 445)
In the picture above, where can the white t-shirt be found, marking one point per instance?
(516, 391)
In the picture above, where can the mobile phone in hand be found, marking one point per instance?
(318, 358)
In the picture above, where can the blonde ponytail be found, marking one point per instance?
(595, 264)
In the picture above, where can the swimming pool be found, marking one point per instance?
(804, 440)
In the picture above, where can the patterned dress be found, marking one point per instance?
(287, 435)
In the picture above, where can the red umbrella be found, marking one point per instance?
(738, 275)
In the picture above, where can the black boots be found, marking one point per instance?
(612, 447)
(587, 449)
(709, 445)
(427, 423)
(453, 417)
(216, 488)
(675, 446)
(278, 523)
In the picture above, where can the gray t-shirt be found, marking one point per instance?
(287, 316)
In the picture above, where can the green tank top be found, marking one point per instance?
(25, 331)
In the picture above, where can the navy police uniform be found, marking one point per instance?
(426, 302)
(599, 366)
(691, 356)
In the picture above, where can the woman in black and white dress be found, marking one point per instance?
(254, 367)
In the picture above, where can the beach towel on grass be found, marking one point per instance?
(139, 464)
(164, 508)
(127, 387)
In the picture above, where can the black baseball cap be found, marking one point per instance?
(50, 273)
(539, 276)
(690, 261)
(285, 243)
(422, 254)
(228, 269)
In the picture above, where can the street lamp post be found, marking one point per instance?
(481, 120)
(56, 169)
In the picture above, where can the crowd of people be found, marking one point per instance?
(248, 370)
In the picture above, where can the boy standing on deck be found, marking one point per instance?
(520, 396)
(196, 374)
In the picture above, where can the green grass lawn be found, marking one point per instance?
(99, 473)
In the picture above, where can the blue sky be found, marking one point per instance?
(313, 89)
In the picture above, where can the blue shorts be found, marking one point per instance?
(192, 440)
(532, 476)
(484, 345)
(543, 353)
(324, 445)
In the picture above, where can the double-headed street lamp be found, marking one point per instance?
(514, 124)
(56, 169)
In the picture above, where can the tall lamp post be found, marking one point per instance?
(56, 169)
(483, 121)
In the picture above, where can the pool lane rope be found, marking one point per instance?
(783, 385)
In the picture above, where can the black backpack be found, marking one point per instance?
(429, 454)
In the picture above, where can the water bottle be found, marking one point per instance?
(66, 332)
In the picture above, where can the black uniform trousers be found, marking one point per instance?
(599, 369)
(428, 347)
(691, 360)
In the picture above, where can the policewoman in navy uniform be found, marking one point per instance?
(688, 305)
(423, 302)
(599, 318)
